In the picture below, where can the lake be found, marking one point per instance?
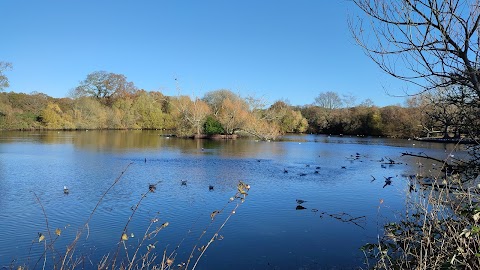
(344, 206)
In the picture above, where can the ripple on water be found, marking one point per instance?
(267, 229)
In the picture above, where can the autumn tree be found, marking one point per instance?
(122, 115)
(260, 128)
(316, 118)
(104, 86)
(190, 115)
(54, 118)
(215, 99)
(400, 122)
(89, 113)
(148, 111)
(6, 112)
(233, 115)
(22, 111)
(370, 121)
(287, 119)
(4, 66)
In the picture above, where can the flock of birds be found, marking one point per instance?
(317, 170)
(151, 187)
(384, 161)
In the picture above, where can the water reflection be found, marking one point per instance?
(126, 140)
(307, 193)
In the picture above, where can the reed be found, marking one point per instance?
(440, 227)
(143, 254)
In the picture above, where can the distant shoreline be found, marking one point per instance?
(447, 140)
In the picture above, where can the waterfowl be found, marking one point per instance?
(285, 170)
(391, 161)
(184, 182)
(152, 187)
(65, 190)
(299, 201)
(210, 187)
(388, 181)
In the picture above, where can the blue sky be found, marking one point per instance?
(270, 49)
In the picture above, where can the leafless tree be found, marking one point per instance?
(328, 100)
(4, 66)
(432, 44)
(427, 42)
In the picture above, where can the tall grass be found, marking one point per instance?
(440, 228)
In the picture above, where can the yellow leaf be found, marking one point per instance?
(476, 217)
(213, 214)
(41, 237)
(58, 231)
(124, 237)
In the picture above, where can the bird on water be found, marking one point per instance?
(299, 201)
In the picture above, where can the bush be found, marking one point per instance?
(212, 126)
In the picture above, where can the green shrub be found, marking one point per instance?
(212, 126)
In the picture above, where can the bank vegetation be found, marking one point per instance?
(108, 101)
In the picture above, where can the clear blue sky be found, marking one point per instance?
(273, 49)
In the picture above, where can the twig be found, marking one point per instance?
(215, 236)
(241, 194)
(71, 247)
(126, 226)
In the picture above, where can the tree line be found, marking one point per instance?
(105, 100)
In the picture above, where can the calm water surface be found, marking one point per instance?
(267, 231)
